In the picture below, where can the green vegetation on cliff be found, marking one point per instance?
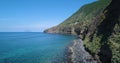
(103, 38)
(86, 13)
(98, 24)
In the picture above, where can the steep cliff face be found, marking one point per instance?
(103, 36)
(99, 28)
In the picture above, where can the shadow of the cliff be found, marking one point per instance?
(111, 18)
(105, 53)
(106, 28)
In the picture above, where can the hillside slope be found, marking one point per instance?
(98, 24)
(82, 17)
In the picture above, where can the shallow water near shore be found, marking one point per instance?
(33, 47)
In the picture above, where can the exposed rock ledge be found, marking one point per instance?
(78, 54)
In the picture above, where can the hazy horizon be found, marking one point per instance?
(35, 15)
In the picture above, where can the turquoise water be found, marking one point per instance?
(20, 47)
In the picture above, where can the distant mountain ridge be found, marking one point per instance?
(98, 24)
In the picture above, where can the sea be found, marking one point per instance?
(33, 47)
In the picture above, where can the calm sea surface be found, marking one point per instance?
(33, 47)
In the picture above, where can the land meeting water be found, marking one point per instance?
(33, 47)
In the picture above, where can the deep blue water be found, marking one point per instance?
(34, 47)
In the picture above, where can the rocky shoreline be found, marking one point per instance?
(78, 54)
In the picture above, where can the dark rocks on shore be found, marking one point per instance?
(78, 54)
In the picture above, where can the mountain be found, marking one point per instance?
(98, 25)
(82, 17)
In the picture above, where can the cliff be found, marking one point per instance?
(98, 25)
(103, 35)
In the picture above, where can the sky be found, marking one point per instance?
(36, 15)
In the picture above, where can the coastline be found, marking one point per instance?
(75, 52)
(78, 54)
